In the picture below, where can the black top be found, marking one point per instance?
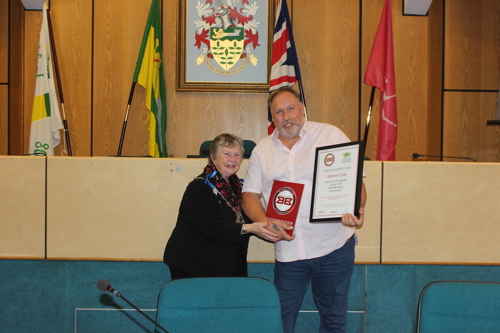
(206, 240)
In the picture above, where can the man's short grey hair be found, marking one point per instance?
(276, 92)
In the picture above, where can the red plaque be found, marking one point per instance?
(284, 201)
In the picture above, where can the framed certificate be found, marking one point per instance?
(337, 182)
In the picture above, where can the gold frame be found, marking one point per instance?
(216, 86)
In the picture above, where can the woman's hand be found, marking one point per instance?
(268, 231)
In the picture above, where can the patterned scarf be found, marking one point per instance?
(230, 192)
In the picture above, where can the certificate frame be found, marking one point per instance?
(200, 59)
(337, 181)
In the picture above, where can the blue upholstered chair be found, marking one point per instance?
(219, 305)
(205, 148)
(459, 307)
(249, 145)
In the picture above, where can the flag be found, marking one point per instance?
(285, 69)
(45, 117)
(149, 74)
(380, 74)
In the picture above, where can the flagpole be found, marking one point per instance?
(296, 63)
(369, 115)
(124, 126)
(301, 89)
(59, 85)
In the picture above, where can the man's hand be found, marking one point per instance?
(349, 220)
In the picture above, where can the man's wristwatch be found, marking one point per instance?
(243, 229)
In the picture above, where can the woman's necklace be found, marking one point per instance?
(215, 190)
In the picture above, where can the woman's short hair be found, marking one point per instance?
(225, 140)
(271, 97)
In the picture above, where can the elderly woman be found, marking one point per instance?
(212, 232)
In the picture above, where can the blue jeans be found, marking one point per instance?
(330, 278)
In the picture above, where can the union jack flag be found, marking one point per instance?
(285, 69)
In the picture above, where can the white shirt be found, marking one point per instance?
(271, 160)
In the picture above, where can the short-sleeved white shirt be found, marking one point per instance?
(271, 160)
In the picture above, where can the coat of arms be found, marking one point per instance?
(226, 34)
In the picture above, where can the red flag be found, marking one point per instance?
(380, 74)
(285, 69)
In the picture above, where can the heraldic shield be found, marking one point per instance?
(227, 45)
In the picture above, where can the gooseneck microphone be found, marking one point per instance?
(417, 155)
(104, 285)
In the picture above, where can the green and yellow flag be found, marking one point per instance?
(149, 74)
(45, 118)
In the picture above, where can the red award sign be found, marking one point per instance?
(284, 201)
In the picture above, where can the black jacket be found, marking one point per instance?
(206, 240)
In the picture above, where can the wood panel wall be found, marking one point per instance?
(98, 40)
(4, 75)
(471, 79)
(4, 41)
(4, 122)
(327, 38)
(16, 68)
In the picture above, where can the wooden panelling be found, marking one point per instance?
(4, 119)
(4, 41)
(465, 130)
(16, 77)
(22, 202)
(327, 41)
(4, 74)
(73, 41)
(98, 43)
(118, 31)
(435, 81)
(369, 235)
(137, 201)
(439, 212)
(471, 62)
(201, 116)
(472, 44)
(125, 208)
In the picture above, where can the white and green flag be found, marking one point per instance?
(45, 119)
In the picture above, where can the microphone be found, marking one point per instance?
(417, 155)
(104, 285)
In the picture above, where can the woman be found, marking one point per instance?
(212, 232)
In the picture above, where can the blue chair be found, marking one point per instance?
(248, 145)
(205, 148)
(218, 305)
(459, 307)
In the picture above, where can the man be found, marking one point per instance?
(322, 253)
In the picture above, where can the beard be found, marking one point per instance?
(291, 132)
